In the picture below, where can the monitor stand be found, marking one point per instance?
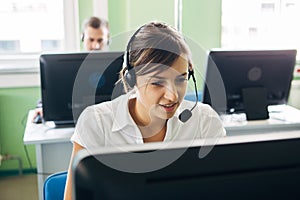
(64, 124)
(255, 103)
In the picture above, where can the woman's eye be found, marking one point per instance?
(181, 80)
(157, 83)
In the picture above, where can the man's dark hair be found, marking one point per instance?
(94, 22)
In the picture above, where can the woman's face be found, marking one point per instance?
(160, 94)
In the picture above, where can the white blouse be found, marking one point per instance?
(110, 124)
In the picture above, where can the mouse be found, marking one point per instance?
(38, 119)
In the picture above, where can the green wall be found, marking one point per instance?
(201, 25)
(137, 13)
(125, 16)
(14, 106)
(85, 10)
(201, 21)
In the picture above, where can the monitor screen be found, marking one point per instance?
(72, 81)
(235, 79)
(258, 169)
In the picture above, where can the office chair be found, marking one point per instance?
(54, 186)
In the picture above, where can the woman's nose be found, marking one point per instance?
(171, 93)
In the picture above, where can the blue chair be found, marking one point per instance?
(54, 186)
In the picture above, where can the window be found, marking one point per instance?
(9, 46)
(260, 24)
(33, 27)
(31, 22)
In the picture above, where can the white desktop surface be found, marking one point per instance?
(41, 133)
(281, 118)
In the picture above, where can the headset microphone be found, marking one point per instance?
(186, 114)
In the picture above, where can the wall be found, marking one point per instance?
(127, 15)
(14, 106)
(201, 23)
(201, 26)
(85, 10)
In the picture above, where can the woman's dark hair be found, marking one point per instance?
(154, 47)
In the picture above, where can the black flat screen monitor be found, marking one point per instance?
(266, 169)
(72, 81)
(254, 78)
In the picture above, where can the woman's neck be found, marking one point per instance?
(157, 137)
(152, 129)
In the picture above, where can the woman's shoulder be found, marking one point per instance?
(107, 106)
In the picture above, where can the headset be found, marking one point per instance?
(130, 77)
(82, 36)
(186, 114)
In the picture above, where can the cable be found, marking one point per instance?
(23, 123)
(27, 156)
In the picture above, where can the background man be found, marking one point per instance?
(95, 34)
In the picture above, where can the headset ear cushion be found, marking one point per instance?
(82, 37)
(130, 77)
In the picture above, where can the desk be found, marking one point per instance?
(282, 118)
(53, 148)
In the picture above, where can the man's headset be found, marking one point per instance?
(130, 77)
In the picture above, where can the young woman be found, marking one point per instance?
(156, 70)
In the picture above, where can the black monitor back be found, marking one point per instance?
(72, 81)
(251, 170)
(230, 72)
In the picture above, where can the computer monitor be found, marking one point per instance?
(72, 81)
(248, 80)
(238, 167)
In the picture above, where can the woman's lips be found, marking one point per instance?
(168, 107)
